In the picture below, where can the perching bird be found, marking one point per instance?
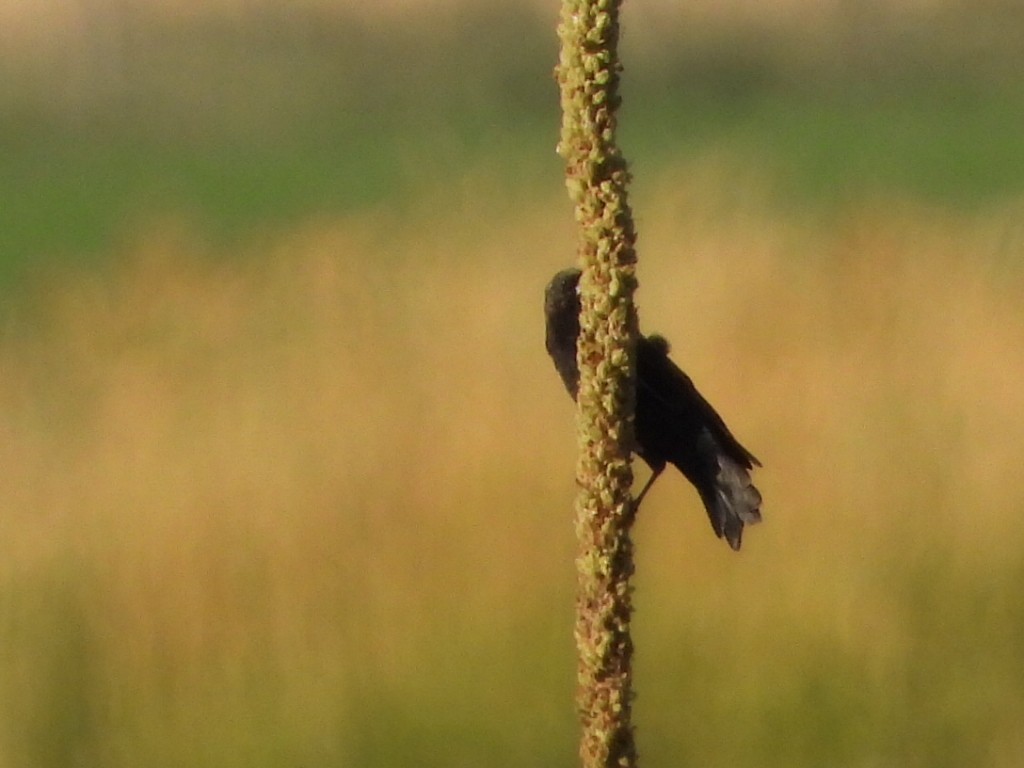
(674, 423)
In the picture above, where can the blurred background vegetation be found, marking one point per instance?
(287, 477)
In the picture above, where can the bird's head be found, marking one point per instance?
(562, 324)
(562, 296)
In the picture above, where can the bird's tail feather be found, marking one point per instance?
(732, 502)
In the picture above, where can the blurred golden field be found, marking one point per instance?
(314, 507)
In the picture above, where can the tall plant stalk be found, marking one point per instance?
(596, 176)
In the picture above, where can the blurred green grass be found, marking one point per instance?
(258, 121)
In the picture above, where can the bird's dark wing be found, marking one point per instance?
(674, 423)
(675, 402)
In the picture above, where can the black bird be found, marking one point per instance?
(674, 423)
